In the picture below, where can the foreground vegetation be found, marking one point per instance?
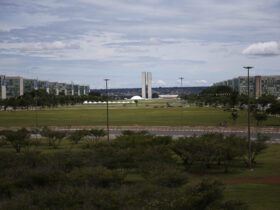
(134, 171)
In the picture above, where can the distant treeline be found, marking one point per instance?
(227, 97)
(129, 92)
(41, 98)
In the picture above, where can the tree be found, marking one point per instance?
(264, 100)
(18, 139)
(258, 146)
(274, 108)
(136, 102)
(76, 136)
(97, 133)
(234, 115)
(155, 95)
(260, 116)
(54, 137)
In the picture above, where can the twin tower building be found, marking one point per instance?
(147, 85)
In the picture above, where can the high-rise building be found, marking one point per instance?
(259, 85)
(144, 85)
(147, 85)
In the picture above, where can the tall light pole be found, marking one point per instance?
(36, 96)
(107, 105)
(181, 78)
(249, 131)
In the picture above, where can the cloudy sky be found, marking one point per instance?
(85, 41)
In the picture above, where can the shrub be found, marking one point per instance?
(98, 177)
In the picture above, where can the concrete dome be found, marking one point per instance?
(136, 98)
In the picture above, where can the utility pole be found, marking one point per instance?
(107, 108)
(249, 131)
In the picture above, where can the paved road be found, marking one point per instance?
(176, 132)
(274, 136)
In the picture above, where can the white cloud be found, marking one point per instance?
(134, 8)
(56, 45)
(160, 83)
(25, 20)
(201, 81)
(263, 49)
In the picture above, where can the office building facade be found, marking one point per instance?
(17, 86)
(259, 85)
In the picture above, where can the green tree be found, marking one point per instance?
(54, 137)
(97, 133)
(260, 116)
(274, 108)
(77, 135)
(234, 115)
(264, 100)
(17, 139)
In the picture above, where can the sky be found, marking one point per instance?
(86, 41)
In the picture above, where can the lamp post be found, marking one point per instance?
(107, 108)
(36, 96)
(181, 78)
(249, 131)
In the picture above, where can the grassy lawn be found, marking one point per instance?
(146, 113)
(259, 196)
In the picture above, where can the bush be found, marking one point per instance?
(98, 177)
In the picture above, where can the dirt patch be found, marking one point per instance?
(266, 179)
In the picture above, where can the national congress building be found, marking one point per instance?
(259, 85)
(17, 86)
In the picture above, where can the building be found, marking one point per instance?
(17, 86)
(3, 93)
(14, 87)
(168, 97)
(259, 85)
(77, 90)
(147, 85)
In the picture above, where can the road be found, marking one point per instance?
(176, 132)
(274, 136)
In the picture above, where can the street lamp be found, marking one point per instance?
(181, 78)
(107, 105)
(249, 132)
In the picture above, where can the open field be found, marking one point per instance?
(152, 113)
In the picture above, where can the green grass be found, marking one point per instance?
(144, 115)
(260, 196)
